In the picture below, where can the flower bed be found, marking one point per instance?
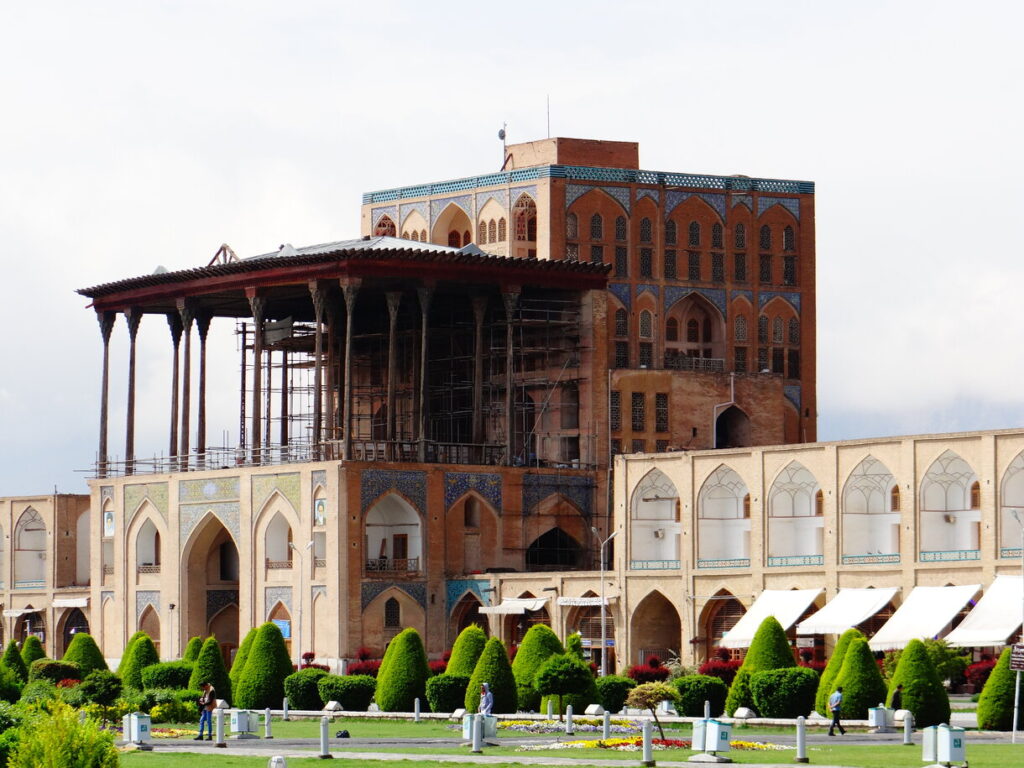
(584, 724)
(635, 744)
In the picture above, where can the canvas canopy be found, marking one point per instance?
(847, 609)
(515, 605)
(923, 615)
(996, 616)
(786, 605)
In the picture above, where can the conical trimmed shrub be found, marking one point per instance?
(995, 705)
(564, 677)
(209, 668)
(261, 684)
(768, 650)
(827, 683)
(13, 661)
(863, 686)
(142, 654)
(84, 652)
(466, 651)
(241, 656)
(539, 645)
(923, 692)
(32, 650)
(494, 669)
(126, 652)
(574, 645)
(195, 645)
(403, 673)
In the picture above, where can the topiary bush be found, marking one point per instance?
(266, 667)
(195, 645)
(353, 692)
(835, 663)
(141, 655)
(127, 651)
(83, 651)
(539, 644)
(446, 693)
(768, 650)
(563, 676)
(787, 692)
(241, 656)
(61, 740)
(32, 650)
(13, 661)
(54, 671)
(863, 686)
(209, 668)
(466, 652)
(694, 690)
(995, 705)
(612, 691)
(10, 685)
(403, 673)
(494, 669)
(167, 674)
(302, 691)
(923, 692)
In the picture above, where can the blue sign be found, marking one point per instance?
(286, 628)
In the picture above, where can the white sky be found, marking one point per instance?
(144, 133)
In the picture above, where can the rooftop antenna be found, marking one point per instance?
(504, 145)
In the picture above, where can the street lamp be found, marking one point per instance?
(604, 606)
(1016, 692)
(298, 625)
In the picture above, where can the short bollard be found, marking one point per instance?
(266, 724)
(801, 739)
(908, 729)
(218, 718)
(606, 725)
(478, 734)
(648, 741)
(325, 753)
(551, 709)
(569, 730)
(284, 707)
(277, 762)
(416, 710)
(707, 709)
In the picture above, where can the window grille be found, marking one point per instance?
(646, 358)
(894, 499)
(694, 233)
(670, 232)
(716, 235)
(765, 238)
(621, 261)
(481, 232)
(672, 329)
(596, 227)
(740, 236)
(615, 417)
(646, 324)
(597, 254)
(492, 232)
(525, 213)
(739, 265)
(661, 412)
(392, 614)
(717, 267)
(572, 226)
(765, 271)
(502, 230)
(778, 360)
(646, 235)
(794, 331)
(794, 364)
(621, 322)
(740, 358)
(777, 330)
(639, 446)
(670, 265)
(385, 227)
(788, 239)
(762, 359)
(740, 328)
(789, 270)
(622, 354)
(762, 329)
(694, 266)
(620, 228)
(572, 251)
(646, 262)
(639, 417)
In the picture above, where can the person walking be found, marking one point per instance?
(897, 698)
(835, 706)
(486, 700)
(207, 703)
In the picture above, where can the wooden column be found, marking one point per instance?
(174, 323)
(258, 305)
(330, 377)
(203, 327)
(187, 310)
(479, 311)
(510, 297)
(319, 301)
(133, 315)
(394, 299)
(284, 400)
(106, 321)
(350, 291)
(425, 294)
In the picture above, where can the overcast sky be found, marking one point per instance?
(138, 134)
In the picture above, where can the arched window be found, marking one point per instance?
(415, 236)
(670, 232)
(894, 499)
(502, 230)
(572, 226)
(596, 227)
(740, 330)
(524, 215)
(392, 614)
(646, 234)
(694, 233)
(405, 235)
(777, 336)
(385, 227)
(672, 330)
(975, 495)
(646, 324)
(794, 331)
(765, 239)
(692, 331)
(819, 503)
(788, 240)
(492, 231)
(467, 237)
(481, 236)
(423, 235)
(621, 322)
(762, 329)
(740, 236)
(454, 239)
(620, 228)
(716, 235)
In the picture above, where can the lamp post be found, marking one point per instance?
(604, 606)
(1016, 692)
(298, 624)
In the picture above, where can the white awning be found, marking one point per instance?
(923, 615)
(585, 601)
(994, 618)
(786, 605)
(515, 605)
(70, 602)
(13, 613)
(847, 609)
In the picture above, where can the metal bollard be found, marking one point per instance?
(266, 724)
(284, 707)
(648, 734)
(416, 710)
(551, 710)
(606, 726)
(218, 718)
(325, 753)
(569, 730)
(908, 729)
(277, 762)
(801, 740)
(707, 709)
(478, 734)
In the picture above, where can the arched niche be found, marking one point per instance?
(210, 575)
(1011, 517)
(701, 331)
(655, 629)
(472, 535)
(386, 615)
(30, 536)
(723, 520)
(732, 428)
(950, 509)
(83, 539)
(71, 622)
(394, 542)
(452, 223)
(717, 617)
(654, 522)
(465, 613)
(586, 620)
(870, 523)
(149, 622)
(795, 518)
(553, 550)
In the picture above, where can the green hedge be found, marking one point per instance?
(466, 652)
(31, 650)
(694, 690)
(54, 671)
(141, 655)
(209, 668)
(13, 661)
(612, 691)
(863, 686)
(83, 651)
(494, 669)
(353, 692)
(267, 665)
(787, 692)
(539, 645)
(10, 685)
(127, 652)
(446, 693)
(995, 705)
(302, 691)
(835, 663)
(769, 649)
(241, 656)
(167, 674)
(923, 692)
(403, 673)
(195, 645)
(568, 679)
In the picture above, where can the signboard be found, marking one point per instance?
(1017, 658)
(286, 628)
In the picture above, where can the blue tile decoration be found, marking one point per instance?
(792, 393)
(136, 493)
(676, 196)
(143, 598)
(654, 194)
(419, 207)
(748, 295)
(264, 486)
(530, 190)
(647, 288)
(458, 484)
(716, 296)
(456, 588)
(747, 200)
(500, 196)
(417, 590)
(274, 595)
(622, 292)
(374, 483)
(387, 210)
(107, 594)
(789, 203)
(465, 202)
(219, 599)
(211, 489)
(791, 296)
(318, 477)
(578, 490)
(574, 192)
(189, 516)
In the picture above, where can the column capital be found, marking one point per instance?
(394, 302)
(203, 319)
(175, 324)
(257, 305)
(106, 320)
(187, 308)
(319, 296)
(511, 298)
(133, 315)
(350, 290)
(425, 293)
(479, 307)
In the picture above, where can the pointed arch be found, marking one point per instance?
(554, 550)
(453, 220)
(385, 227)
(71, 622)
(149, 622)
(209, 567)
(723, 520)
(375, 633)
(702, 330)
(524, 218)
(654, 522)
(655, 628)
(717, 617)
(870, 514)
(950, 521)
(223, 625)
(414, 222)
(30, 545)
(597, 198)
(795, 530)
(472, 533)
(1011, 497)
(393, 534)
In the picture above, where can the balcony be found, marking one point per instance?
(949, 556)
(699, 364)
(736, 562)
(878, 559)
(149, 568)
(29, 583)
(653, 565)
(790, 561)
(384, 565)
(1013, 552)
(278, 565)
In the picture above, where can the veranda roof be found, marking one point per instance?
(515, 605)
(996, 616)
(923, 615)
(847, 609)
(786, 605)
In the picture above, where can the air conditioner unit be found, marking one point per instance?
(659, 533)
(949, 519)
